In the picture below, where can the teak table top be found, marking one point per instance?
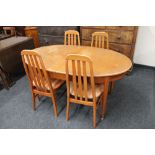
(105, 62)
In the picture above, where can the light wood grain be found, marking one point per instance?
(105, 62)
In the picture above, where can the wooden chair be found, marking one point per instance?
(11, 30)
(39, 81)
(72, 37)
(81, 88)
(100, 39)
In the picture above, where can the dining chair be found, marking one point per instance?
(100, 39)
(81, 88)
(72, 37)
(11, 30)
(40, 83)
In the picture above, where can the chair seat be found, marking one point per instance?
(98, 90)
(55, 84)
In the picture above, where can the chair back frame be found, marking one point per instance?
(36, 73)
(100, 39)
(72, 37)
(78, 69)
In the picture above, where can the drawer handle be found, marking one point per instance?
(119, 37)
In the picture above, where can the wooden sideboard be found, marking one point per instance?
(121, 38)
(10, 58)
(4, 36)
(10, 53)
(32, 32)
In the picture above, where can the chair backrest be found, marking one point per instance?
(100, 39)
(72, 37)
(79, 72)
(11, 30)
(35, 71)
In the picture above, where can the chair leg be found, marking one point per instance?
(101, 104)
(39, 97)
(94, 116)
(33, 102)
(54, 106)
(67, 110)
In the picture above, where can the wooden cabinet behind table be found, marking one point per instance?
(32, 32)
(121, 38)
(10, 53)
(53, 35)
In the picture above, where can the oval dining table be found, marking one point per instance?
(108, 65)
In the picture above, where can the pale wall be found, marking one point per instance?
(145, 46)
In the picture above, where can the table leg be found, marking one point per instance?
(111, 86)
(104, 98)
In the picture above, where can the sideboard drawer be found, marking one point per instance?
(124, 49)
(120, 28)
(125, 37)
(122, 37)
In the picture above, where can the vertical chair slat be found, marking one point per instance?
(78, 38)
(79, 79)
(31, 70)
(41, 80)
(85, 81)
(100, 40)
(107, 42)
(65, 41)
(67, 79)
(103, 41)
(69, 39)
(72, 43)
(92, 82)
(74, 79)
(95, 41)
(35, 72)
(37, 78)
(74, 39)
